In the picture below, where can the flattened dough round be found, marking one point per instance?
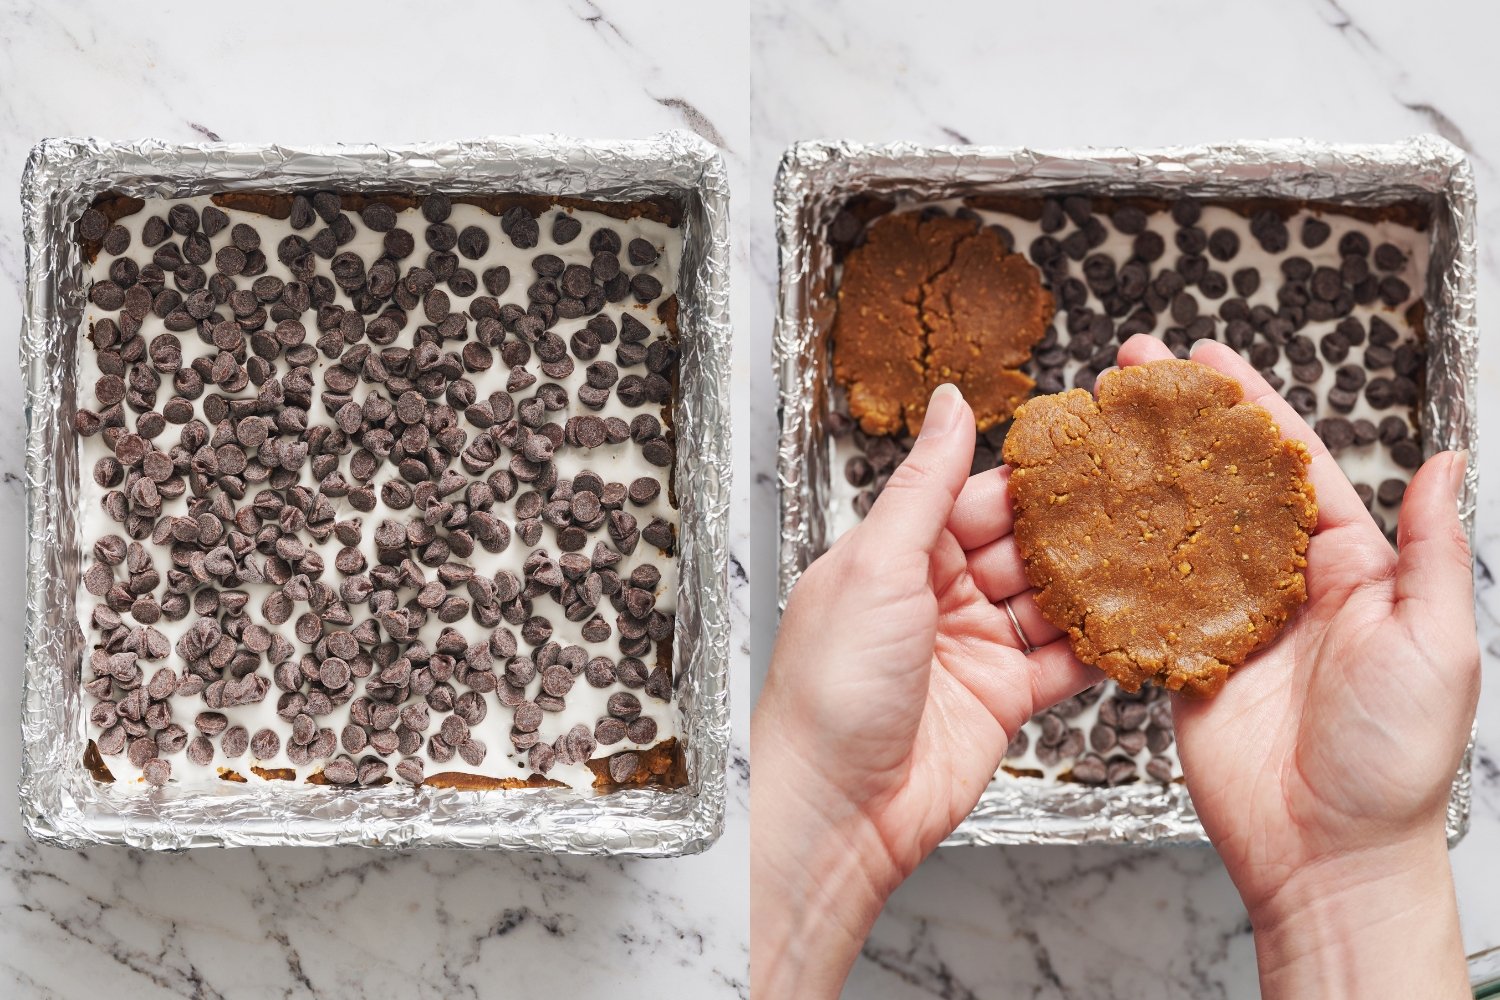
(1164, 526)
(925, 301)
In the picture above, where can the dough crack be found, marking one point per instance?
(1177, 554)
(930, 300)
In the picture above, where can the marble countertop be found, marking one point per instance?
(351, 923)
(1044, 922)
(1057, 922)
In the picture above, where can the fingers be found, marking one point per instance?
(1014, 687)
(982, 513)
(1056, 674)
(1142, 348)
(1434, 574)
(1038, 630)
(913, 509)
(998, 569)
(1035, 630)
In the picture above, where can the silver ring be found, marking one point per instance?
(1015, 623)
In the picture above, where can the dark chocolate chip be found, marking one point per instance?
(1407, 453)
(1315, 232)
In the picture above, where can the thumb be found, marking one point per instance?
(913, 509)
(1434, 573)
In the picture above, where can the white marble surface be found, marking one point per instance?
(1066, 922)
(348, 923)
(1042, 922)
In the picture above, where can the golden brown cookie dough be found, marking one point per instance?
(923, 302)
(1164, 527)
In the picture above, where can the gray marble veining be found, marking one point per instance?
(1040, 922)
(1117, 922)
(351, 923)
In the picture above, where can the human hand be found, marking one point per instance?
(1322, 770)
(894, 688)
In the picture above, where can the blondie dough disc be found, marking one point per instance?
(927, 301)
(1164, 526)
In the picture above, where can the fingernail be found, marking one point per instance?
(942, 411)
(1197, 345)
(1457, 466)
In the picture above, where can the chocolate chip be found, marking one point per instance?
(264, 745)
(1389, 257)
(156, 771)
(107, 295)
(473, 242)
(647, 288)
(235, 742)
(116, 240)
(1392, 429)
(378, 216)
(183, 218)
(1380, 392)
(1191, 240)
(1336, 432)
(1393, 291)
(520, 225)
(623, 767)
(1308, 371)
(1343, 400)
(624, 705)
(659, 533)
(341, 771)
(1315, 233)
(1128, 219)
(436, 207)
(92, 225)
(642, 253)
(1378, 356)
(642, 730)
(1382, 333)
(1246, 281)
(565, 228)
(1186, 211)
(1391, 491)
(1354, 243)
(399, 244)
(1090, 770)
(1349, 377)
(1407, 453)
(643, 491)
(1300, 350)
(1269, 231)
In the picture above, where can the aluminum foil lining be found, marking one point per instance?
(817, 178)
(62, 805)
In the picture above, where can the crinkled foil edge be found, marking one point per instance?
(816, 178)
(62, 805)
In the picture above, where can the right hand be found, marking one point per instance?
(1328, 757)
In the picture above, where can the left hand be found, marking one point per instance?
(896, 683)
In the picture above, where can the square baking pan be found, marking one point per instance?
(62, 804)
(819, 178)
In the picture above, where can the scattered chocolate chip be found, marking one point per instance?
(156, 771)
(411, 434)
(1337, 433)
(1407, 453)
